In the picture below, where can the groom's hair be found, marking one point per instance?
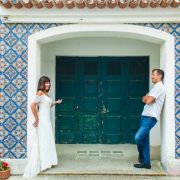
(159, 72)
(41, 83)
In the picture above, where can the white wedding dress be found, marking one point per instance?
(42, 154)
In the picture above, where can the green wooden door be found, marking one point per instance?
(90, 100)
(125, 81)
(101, 98)
(66, 121)
(77, 83)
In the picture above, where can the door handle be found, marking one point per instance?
(104, 110)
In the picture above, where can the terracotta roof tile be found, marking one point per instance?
(88, 3)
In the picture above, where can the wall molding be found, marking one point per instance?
(116, 15)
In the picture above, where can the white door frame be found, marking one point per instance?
(167, 63)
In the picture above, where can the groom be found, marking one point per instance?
(151, 114)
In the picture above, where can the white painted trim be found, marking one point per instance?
(167, 61)
(88, 20)
(96, 15)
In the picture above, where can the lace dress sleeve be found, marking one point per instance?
(37, 99)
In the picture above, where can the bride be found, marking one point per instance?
(43, 151)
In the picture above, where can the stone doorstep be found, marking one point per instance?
(103, 173)
(90, 157)
(110, 172)
(17, 168)
(93, 160)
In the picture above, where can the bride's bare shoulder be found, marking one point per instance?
(40, 93)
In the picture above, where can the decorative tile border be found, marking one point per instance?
(13, 84)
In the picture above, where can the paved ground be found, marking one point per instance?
(97, 177)
(100, 162)
(101, 159)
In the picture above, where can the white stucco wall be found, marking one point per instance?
(100, 47)
(96, 15)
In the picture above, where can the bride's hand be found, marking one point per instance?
(59, 101)
(35, 124)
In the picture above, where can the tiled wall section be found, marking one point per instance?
(13, 84)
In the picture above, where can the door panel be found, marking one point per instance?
(137, 86)
(113, 87)
(113, 99)
(114, 106)
(66, 123)
(90, 99)
(101, 98)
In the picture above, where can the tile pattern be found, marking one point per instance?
(13, 84)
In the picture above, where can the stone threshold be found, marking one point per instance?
(103, 173)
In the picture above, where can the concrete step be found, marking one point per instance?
(101, 160)
(96, 177)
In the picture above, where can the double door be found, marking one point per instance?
(101, 98)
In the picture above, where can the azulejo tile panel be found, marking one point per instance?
(13, 84)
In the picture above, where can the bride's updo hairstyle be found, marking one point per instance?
(41, 84)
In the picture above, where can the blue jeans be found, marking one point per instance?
(142, 138)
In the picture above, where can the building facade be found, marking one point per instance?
(99, 55)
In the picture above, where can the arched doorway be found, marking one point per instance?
(165, 41)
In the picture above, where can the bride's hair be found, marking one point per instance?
(41, 83)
